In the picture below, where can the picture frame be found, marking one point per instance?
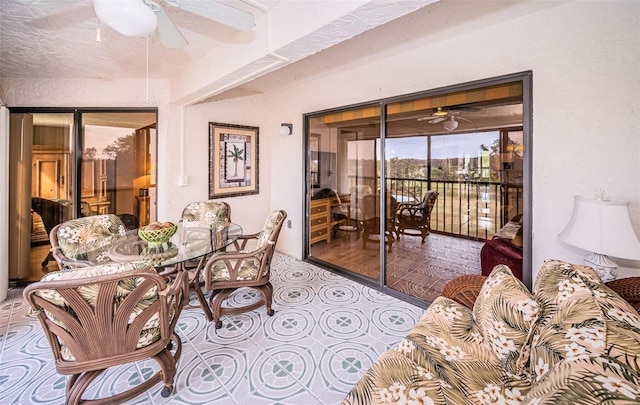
(233, 160)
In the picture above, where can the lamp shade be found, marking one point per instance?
(131, 18)
(602, 226)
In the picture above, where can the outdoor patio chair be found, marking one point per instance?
(85, 241)
(226, 272)
(104, 316)
(416, 216)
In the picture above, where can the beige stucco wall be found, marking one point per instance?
(585, 59)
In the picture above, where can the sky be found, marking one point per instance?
(445, 146)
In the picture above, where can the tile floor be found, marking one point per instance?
(326, 332)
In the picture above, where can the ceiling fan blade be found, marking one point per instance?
(430, 117)
(436, 120)
(170, 36)
(227, 15)
(47, 3)
(463, 119)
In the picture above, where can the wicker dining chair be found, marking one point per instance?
(202, 214)
(104, 316)
(84, 242)
(226, 272)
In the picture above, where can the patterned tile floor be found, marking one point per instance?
(326, 332)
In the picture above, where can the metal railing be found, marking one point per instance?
(467, 208)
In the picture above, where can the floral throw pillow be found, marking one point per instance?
(505, 311)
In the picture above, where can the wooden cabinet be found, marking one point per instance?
(320, 220)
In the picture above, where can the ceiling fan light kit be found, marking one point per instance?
(131, 18)
(450, 124)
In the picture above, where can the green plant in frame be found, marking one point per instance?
(236, 155)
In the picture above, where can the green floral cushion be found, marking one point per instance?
(90, 238)
(505, 311)
(441, 361)
(150, 332)
(269, 227)
(581, 319)
(204, 213)
(248, 270)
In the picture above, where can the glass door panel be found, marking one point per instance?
(118, 165)
(52, 183)
(343, 183)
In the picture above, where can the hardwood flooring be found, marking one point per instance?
(420, 270)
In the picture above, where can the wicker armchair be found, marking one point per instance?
(225, 272)
(105, 316)
(203, 214)
(84, 242)
(416, 216)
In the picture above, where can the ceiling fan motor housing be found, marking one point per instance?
(131, 18)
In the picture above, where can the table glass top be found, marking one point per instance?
(188, 243)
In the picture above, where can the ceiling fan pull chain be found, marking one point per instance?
(147, 69)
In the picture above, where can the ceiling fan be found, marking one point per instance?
(134, 18)
(448, 116)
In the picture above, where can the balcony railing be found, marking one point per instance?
(469, 208)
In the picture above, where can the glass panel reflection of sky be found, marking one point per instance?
(443, 146)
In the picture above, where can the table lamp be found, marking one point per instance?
(602, 226)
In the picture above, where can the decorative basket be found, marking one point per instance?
(157, 236)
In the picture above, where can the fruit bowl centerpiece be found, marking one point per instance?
(157, 233)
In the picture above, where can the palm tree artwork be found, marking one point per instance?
(236, 155)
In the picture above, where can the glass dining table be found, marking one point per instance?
(191, 243)
(187, 250)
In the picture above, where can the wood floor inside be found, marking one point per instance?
(417, 269)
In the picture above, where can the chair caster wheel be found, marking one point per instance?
(271, 312)
(166, 391)
(218, 324)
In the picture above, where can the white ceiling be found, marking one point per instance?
(59, 41)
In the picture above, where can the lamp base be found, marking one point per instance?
(606, 268)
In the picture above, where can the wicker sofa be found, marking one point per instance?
(573, 341)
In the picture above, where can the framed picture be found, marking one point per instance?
(233, 160)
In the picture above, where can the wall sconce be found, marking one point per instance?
(286, 129)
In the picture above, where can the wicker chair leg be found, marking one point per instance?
(216, 299)
(78, 383)
(267, 292)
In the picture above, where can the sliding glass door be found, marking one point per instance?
(342, 190)
(81, 163)
(403, 194)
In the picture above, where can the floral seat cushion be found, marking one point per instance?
(204, 214)
(150, 332)
(587, 333)
(443, 360)
(90, 238)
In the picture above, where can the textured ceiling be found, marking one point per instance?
(59, 41)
